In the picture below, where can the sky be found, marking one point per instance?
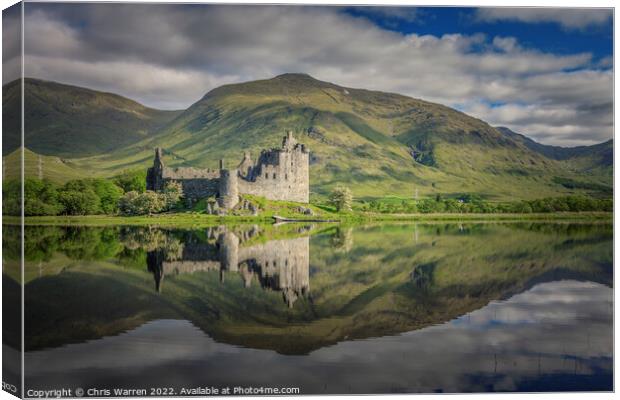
(546, 73)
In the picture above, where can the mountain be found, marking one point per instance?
(64, 120)
(597, 156)
(378, 144)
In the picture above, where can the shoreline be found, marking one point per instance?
(194, 219)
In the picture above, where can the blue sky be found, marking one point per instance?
(546, 36)
(543, 72)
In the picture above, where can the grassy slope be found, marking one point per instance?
(359, 138)
(601, 154)
(64, 120)
(53, 168)
(594, 163)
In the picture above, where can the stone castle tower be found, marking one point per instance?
(278, 174)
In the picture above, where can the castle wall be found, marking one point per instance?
(196, 183)
(280, 175)
(196, 189)
(228, 189)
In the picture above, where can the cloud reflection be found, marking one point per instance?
(532, 341)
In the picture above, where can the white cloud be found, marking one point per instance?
(553, 124)
(606, 62)
(166, 87)
(567, 18)
(11, 46)
(506, 44)
(177, 53)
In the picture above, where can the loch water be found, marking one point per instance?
(327, 309)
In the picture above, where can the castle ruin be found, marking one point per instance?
(278, 265)
(278, 174)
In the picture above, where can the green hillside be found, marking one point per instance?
(64, 120)
(376, 143)
(584, 158)
(45, 167)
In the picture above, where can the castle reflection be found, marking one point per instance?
(279, 265)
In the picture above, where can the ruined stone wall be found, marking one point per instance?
(280, 175)
(199, 188)
(197, 183)
(228, 188)
(180, 173)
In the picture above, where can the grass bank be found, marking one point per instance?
(190, 219)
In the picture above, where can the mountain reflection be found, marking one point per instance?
(292, 289)
(409, 307)
(556, 336)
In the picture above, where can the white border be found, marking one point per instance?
(457, 3)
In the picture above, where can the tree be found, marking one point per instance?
(560, 204)
(522, 207)
(108, 193)
(426, 206)
(76, 202)
(11, 197)
(452, 206)
(78, 197)
(341, 198)
(132, 181)
(40, 197)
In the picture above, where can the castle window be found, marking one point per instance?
(274, 175)
(285, 176)
(266, 176)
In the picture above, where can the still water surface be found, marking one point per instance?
(368, 309)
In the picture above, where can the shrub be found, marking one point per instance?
(341, 198)
(172, 195)
(127, 203)
(134, 203)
